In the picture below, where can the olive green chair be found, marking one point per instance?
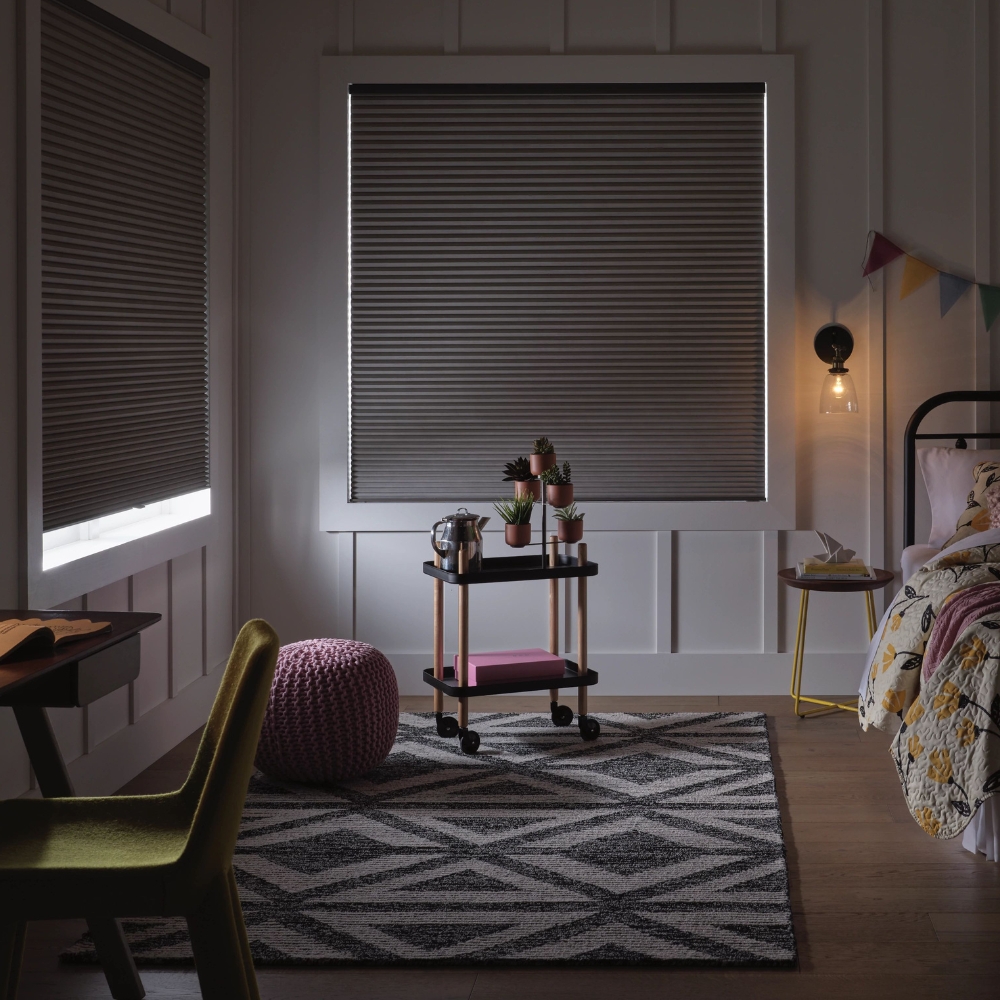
(150, 855)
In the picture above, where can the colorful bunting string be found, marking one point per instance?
(952, 288)
(915, 274)
(990, 297)
(881, 251)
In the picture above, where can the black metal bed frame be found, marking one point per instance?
(911, 437)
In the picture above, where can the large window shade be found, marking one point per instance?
(584, 262)
(124, 268)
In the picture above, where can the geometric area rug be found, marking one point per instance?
(658, 843)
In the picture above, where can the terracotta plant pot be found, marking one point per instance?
(570, 531)
(528, 487)
(539, 463)
(517, 535)
(559, 496)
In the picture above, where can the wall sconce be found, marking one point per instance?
(833, 344)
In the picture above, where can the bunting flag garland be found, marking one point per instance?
(951, 288)
(916, 273)
(882, 251)
(989, 295)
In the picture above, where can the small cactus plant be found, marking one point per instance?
(557, 476)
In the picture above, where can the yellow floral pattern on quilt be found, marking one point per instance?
(947, 749)
(894, 672)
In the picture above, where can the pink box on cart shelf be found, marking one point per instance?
(512, 665)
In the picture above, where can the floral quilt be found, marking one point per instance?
(947, 748)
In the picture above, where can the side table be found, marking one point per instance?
(787, 576)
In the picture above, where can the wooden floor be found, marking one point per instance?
(881, 909)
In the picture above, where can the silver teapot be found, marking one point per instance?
(461, 529)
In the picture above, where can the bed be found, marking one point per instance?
(931, 674)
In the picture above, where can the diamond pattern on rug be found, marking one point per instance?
(658, 843)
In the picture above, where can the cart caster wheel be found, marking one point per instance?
(590, 728)
(447, 726)
(470, 741)
(562, 715)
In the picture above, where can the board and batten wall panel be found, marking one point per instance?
(110, 741)
(110, 714)
(150, 592)
(681, 612)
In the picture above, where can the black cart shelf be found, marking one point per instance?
(511, 568)
(453, 682)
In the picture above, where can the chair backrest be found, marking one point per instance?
(216, 786)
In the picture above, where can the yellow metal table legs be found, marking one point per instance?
(795, 687)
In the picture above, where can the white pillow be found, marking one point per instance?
(948, 477)
(914, 556)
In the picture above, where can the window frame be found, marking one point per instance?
(776, 72)
(40, 588)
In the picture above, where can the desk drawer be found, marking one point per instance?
(82, 682)
(108, 670)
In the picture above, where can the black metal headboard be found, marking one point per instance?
(911, 437)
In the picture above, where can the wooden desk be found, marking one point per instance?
(76, 674)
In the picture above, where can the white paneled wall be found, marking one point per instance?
(110, 741)
(683, 612)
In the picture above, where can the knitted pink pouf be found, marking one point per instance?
(332, 714)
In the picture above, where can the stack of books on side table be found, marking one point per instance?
(817, 569)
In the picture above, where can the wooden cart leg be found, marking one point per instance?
(447, 725)
(438, 637)
(581, 627)
(470, 740)
(463, 638)
(553, 614)
(590, 728)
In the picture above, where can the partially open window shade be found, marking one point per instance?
(584, 262)
(124, 269)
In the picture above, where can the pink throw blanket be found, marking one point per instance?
(966, 607)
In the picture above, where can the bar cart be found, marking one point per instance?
(454, 682)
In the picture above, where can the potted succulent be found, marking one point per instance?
(516, 515)
(519, 473)
(569, 523)
(543, 455)
(558, 485)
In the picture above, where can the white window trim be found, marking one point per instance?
(775, 71)
(41, 588)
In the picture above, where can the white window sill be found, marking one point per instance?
(78, 541)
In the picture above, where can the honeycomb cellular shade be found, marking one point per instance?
(124, 292)
(583, 262)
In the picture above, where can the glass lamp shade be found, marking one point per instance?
(838, 394)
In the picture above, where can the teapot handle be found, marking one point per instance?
(434, 545)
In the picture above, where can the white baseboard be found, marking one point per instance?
(686, 673)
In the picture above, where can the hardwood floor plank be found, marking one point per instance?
(966, 926)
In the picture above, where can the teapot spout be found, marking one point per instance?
(482, 522)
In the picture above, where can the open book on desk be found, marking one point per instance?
(37, 636)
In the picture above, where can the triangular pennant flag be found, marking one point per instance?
(882, 251)
(915, 274)
(951, 288)
(990, 297)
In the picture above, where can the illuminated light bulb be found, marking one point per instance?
(838, 394)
